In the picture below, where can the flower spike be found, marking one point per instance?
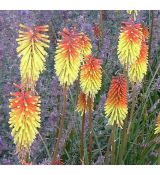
(31, 50)
(85, 45)
(145, 32)
(129, 44)
(68, 57)
(139, 68)
(82, 105)
(91, 76)
(24, 117)
(116, 103)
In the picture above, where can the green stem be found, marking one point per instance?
(61, 125)
(108, 148)
(148, 89)
(58, 109)
(45, 146)
(118, 140)
(113, 145)
(123, 138)
(151, 33)
(54, 36)
(77, 90)
(82, 140)
(132, 109)
(151, 18)
(124, 133)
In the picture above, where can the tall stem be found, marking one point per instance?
(123, 138)
(151, 33)
(113, 145)
(24, 156)
(47, 151)
(90, 128)
(124, 133)
(58, 109)
(61, 125)
(132, 108)
(108, 149)
(82, 140)
(101, 38)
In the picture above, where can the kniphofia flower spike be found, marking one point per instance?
(86, 47)
(139, 68)
(116, 104)
(82, 105)
(31, 50)
(91, 76)
(68, 57)
(24, 117)
(130, 41)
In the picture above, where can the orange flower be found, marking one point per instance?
(129, 44)
(85, 45)
(116, 103)
(82, 105)
(145, 32)
(139, 68)
(68, 57)
(91, 76)
(31, 50)
(24, 117)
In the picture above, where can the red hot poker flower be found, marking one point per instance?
(129, 44)
(116, 103)
(24, 118)
(68, 57)
(91, 76)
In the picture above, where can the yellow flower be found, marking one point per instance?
(157, 129)
(129, 44)
(31, 50)
(24, 118)
(116, 104)
(68, 57)
(91, 76)
(85, 45)
(139, 68)
(82, 105)
(145, 32)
